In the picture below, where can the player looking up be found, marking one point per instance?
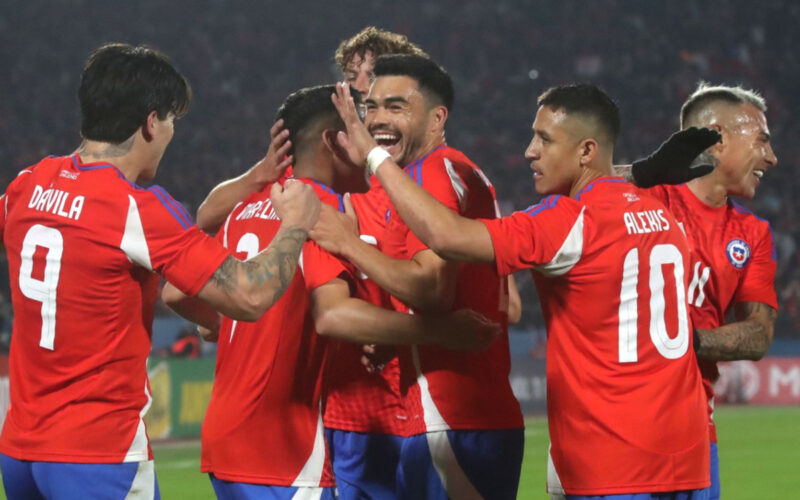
(626, 408)
(464, 421)
(85, 246)
(269, 374)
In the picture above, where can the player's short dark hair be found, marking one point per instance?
(706, 95)
(122, 84)
(432, 79)
(586, 100)
(308, 111)
(375, 40)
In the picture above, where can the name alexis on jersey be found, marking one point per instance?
(55, 201)
(648, 221)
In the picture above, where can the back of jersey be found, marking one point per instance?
(625, 405)
(82, 243)
(264, 423)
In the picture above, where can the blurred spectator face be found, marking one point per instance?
(359, 71)
(398, 117)
(745, 154)
(553, 153)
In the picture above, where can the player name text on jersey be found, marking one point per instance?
(260, 209)
(55, 201)
(648, 221)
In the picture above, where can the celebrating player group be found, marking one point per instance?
(359, 287)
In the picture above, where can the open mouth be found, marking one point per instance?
(386, 139)
(759, 173)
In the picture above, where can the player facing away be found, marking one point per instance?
(263, 434)
(626, 408)
(85, 246)
(733, 250)
(465, 425)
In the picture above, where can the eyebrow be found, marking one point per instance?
(388, 100)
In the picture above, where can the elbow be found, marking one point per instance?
(171, 295)
(325, 323)
(248, 305)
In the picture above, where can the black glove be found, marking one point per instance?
(674, 161)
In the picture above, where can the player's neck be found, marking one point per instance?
(314, 170)
(709, 190)
(433, 141)
(589, 174)
(122, 156)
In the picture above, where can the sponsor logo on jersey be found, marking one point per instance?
(738, 252)
(631, 197)
(69, 175)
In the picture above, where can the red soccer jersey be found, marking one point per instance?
(625, 404)
(356, 400)
(733, 254)
(264, 423)
(445, 389)
(83, 247)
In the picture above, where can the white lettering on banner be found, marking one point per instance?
(56, 201)
(778, 378)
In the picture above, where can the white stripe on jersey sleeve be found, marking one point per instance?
(134, 243)
(311, 474)
(570, 252)
(458, 184)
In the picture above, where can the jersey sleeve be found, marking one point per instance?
(547, 236)
(320, 267)
(439, 178)
(12, 192)
(160, 236)
(758, 284)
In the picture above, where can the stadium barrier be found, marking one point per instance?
(181, 389)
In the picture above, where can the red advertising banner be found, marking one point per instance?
(771, 381)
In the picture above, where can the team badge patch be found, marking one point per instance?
(738, 253)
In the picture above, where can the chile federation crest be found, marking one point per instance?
(738, 252)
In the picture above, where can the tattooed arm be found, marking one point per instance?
(245, 290)
(747, 338)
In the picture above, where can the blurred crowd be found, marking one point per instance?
(244, 57)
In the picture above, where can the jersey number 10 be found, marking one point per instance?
(669, 347)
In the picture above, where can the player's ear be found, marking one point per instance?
(332, 145)
(587, 149)
(148, 129)
(438, 118)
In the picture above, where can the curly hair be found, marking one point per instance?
(377, 41)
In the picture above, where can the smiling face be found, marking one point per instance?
(399, 118)
(745, 153)
(554, 152)
(359, 71)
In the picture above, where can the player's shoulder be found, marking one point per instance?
(553, 204)
(747, 217)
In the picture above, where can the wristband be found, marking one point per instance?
(375, 157)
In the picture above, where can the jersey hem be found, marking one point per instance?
(638, 488)
(266, 480)
(71, 457)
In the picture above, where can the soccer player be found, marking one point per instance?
(262, 434)
(626, 408)
(733, 250)
(85, 246)
(465, 425)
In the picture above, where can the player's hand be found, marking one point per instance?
(208, 335)
(679, 159)
(277, 159)
(467, 330)
(375, 357)
(336, 230)
(295, 203)
(357, 141)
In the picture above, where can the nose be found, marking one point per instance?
(362, 83)
(770, 157)
(532, 151)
